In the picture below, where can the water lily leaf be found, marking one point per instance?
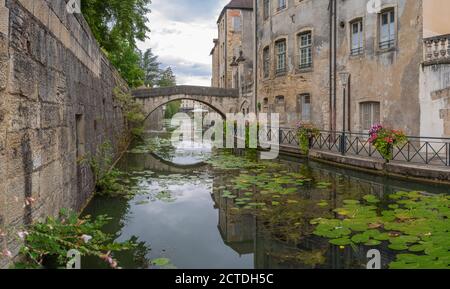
(341, 242)
(398, 247)
(360, 238)
(417, 248)
(323, 204)
(371, 199)
(161, 262)
(372, 243)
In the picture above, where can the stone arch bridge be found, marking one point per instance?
(222, 100)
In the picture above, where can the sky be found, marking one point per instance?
(182, 33)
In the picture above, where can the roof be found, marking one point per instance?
(240, 4)
(237, 4)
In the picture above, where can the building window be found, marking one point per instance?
(304, 105)
(305, 46)
(236, 23)
(369, 114)
(387, 29)
(357, 37)
(266, 61)
(266, 10)
(281, 56)
(279, 100)
(281, 5)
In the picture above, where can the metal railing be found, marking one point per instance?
(419, 150)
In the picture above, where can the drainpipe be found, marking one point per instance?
(334, 60)
(255, 56)
(330, 67)
(226, 48)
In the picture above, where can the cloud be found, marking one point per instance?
(186, 67)
(188, 10)
(182, 34)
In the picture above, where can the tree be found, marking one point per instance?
(172, 108)
(150, 65)
(116, 21)
(117, 25)
(127, 59)
(167, 78)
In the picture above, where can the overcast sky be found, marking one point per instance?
(182, 36)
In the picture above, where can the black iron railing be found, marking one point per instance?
(420, 150)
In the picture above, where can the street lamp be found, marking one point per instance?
(344, 77)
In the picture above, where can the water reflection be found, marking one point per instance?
(181, 214)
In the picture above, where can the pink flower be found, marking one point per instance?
(86, 238)
(7, 253)
(22, 235)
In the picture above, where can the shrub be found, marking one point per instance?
(107, 179)
(132, 111)
(55, 237)
(305, 132)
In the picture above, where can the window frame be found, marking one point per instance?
(281, 7)
(355, 51)
(266, 62)
(392, 30)
(266, 9)
(278, 69)
(301, 101)
(372, 114)
(308, 48)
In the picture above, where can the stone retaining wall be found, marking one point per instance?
(56, 107)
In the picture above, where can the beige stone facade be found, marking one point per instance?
(304, 48)
(232, 55)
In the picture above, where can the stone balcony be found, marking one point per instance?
(437, 50)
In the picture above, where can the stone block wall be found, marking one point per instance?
(56, 108)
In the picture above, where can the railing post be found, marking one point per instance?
(280, 136)
(343, 143)
(448, 154)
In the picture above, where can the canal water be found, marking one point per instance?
(189, 210)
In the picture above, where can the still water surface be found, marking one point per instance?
(180, 214)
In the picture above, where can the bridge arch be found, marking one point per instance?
(221, 100)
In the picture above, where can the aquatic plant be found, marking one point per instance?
(413, 222)
(52, 239)
(107, 179)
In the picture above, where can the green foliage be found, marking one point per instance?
(172, 108)
(415, 222)
(117, 25)
(107, 179)
(116, 21)
(132, 111)
(127, 60)
(150, 65)
(304, 133)
(384, 140)
(56, 236)
(167, 78)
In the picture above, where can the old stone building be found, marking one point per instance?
(390, 62)
(233, 51)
